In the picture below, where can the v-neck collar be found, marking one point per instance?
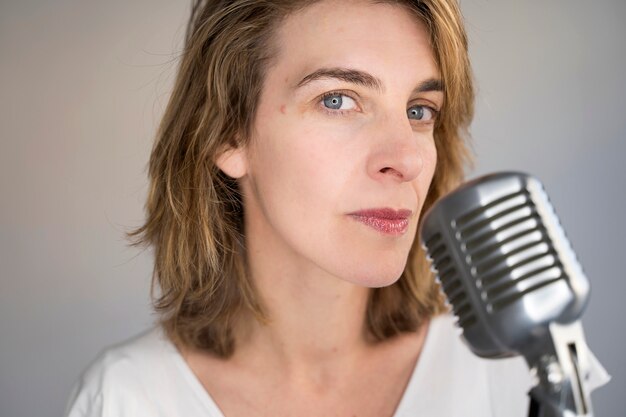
(204, 397)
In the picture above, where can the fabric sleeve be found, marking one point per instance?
(509, 383)
(110, 387)
(85, 401)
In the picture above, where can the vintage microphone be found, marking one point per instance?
(515, 284)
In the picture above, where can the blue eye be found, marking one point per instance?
(333, 102)
(336, 101)
(421, 113)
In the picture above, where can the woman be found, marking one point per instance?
(302, 142)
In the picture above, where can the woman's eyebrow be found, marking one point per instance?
(431, 84)
(365, 79)
(344, 74)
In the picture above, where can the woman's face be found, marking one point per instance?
(344, 124)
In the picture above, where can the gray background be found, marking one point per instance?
(83, 85)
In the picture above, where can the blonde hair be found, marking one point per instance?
(194, 211)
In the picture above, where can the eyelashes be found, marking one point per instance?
(338, 101)
(422, 113)
(342, 103)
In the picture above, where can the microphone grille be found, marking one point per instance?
(507, 249)
(498, 250)
(450, 280)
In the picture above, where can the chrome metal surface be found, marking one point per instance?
(513, 280)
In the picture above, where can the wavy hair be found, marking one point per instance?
(194, 211)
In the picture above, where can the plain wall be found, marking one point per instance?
(83, 85)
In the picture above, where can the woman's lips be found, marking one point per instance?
(385, 220)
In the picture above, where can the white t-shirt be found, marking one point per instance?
(147, 377)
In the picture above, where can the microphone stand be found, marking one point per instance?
(562, 374)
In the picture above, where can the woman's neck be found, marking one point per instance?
(314, 321)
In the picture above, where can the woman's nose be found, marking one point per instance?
(396, 153)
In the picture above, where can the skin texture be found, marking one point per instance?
(306, 168)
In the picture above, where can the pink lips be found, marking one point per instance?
(385, 220)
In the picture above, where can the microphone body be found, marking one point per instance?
(514, 283)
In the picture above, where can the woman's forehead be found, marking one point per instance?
(358, 35)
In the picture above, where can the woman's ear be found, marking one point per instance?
(233, 162)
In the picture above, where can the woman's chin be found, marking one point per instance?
(376, 276)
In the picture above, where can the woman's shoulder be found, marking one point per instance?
(133, 357)
(513, 370)
(144, 376)
(447, 337)
(122, 376)
(447, 368)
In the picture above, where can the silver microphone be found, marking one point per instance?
(514, 284)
